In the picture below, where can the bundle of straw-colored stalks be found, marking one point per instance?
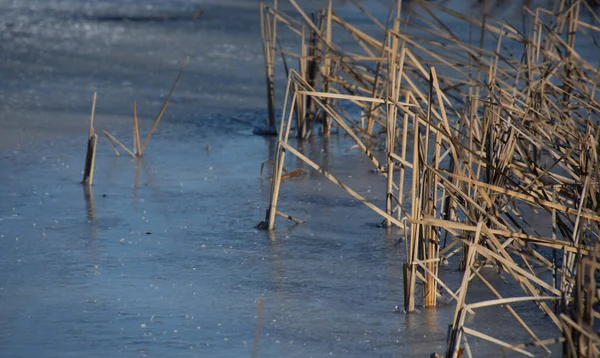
(486, 138)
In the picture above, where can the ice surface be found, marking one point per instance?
(162, 258)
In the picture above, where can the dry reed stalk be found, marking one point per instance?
(422, 236)
(393, 89)
(327, 65)
(93, 115)
(403, 162)
(411, 255)
(285, 127)
(137, 147)
(165, 104)
(268, 35)
(90, 157)
(301, 101)
(88, 174)
(114, 140)
(289, 217)
(457, 329)
(579, 321)
(113, 146)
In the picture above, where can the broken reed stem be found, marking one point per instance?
(137, 148)
(268, 36)
(165, 104)
(88, 174)
(289, 217)
(90, 157)
(93, 114)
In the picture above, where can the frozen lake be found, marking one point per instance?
(162, 257)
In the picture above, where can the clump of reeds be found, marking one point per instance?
(482, 135)
(138, 147)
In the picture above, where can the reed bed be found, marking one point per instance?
(477, 139)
